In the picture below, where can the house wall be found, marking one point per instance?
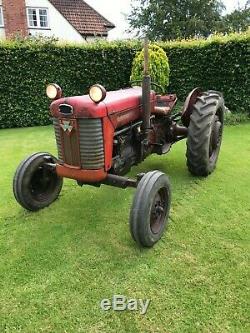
(16, 20)
(14, 17)
(58, 25)
(2, 33)
(2, 30)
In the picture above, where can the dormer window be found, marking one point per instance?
(1, 17)
(38, 18)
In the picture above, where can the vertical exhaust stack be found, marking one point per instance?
(146, 88)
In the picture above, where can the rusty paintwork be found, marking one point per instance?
(70, 141)
(71, 172)
(121, 106)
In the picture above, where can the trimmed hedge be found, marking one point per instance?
(221, 63)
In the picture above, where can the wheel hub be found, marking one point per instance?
(215, 136)
(42, 181)
(158, 212)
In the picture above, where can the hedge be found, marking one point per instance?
(221, 63)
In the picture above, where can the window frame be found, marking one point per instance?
(1, 17)
(37, 9)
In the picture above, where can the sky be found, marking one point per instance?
(114, 11)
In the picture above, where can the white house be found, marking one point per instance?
(69, 20)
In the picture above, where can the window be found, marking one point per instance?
(1, 17)
(38, 18)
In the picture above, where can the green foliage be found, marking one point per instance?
(26, 68)
(171, 19)
(236, 118)
(158, 66)
(238, 20)
(218, 63)
(39, 38)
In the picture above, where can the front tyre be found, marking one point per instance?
(150, 208)
(205, 133)
(35, 185)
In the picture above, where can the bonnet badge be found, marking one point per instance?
(66, 126)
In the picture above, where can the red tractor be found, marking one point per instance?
(100, 136)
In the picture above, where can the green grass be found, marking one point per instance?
(58, 264)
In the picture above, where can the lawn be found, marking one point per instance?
(58, 264)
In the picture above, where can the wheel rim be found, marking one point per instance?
(215, 139)
(158, 210)
(42, 183)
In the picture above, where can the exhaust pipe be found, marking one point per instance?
(146, 88)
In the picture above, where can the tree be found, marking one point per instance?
(172, 19)
(238, 20)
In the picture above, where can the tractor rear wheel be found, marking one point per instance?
(205, 133)
(150, 208)
(35, 185)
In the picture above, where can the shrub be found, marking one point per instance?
(158, 66)
(236, 118)
(26, 68)
(220, 63)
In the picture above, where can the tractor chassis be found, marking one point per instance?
(112, 180)
(178, 132)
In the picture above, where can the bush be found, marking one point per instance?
(27, 67)
(158, 66)
(236, 118)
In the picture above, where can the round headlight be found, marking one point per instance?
(97, 93)
(53, 91)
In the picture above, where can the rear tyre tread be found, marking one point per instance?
(204, 112)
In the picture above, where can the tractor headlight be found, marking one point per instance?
(53, 91)
(97, 93)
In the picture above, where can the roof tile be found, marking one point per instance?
(85, 19)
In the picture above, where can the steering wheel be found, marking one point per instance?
(152, 83)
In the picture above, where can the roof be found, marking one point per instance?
(85, 19)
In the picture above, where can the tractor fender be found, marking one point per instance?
(188, 105)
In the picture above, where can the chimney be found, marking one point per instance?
(15, 19)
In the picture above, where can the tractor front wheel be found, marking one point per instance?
(35, 185)
(150, 208)
(205, 133)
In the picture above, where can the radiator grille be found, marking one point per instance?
(90, 144)
(58, 138)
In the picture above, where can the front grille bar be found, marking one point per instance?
(90, 143)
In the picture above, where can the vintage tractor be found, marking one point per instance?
(101, 135)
